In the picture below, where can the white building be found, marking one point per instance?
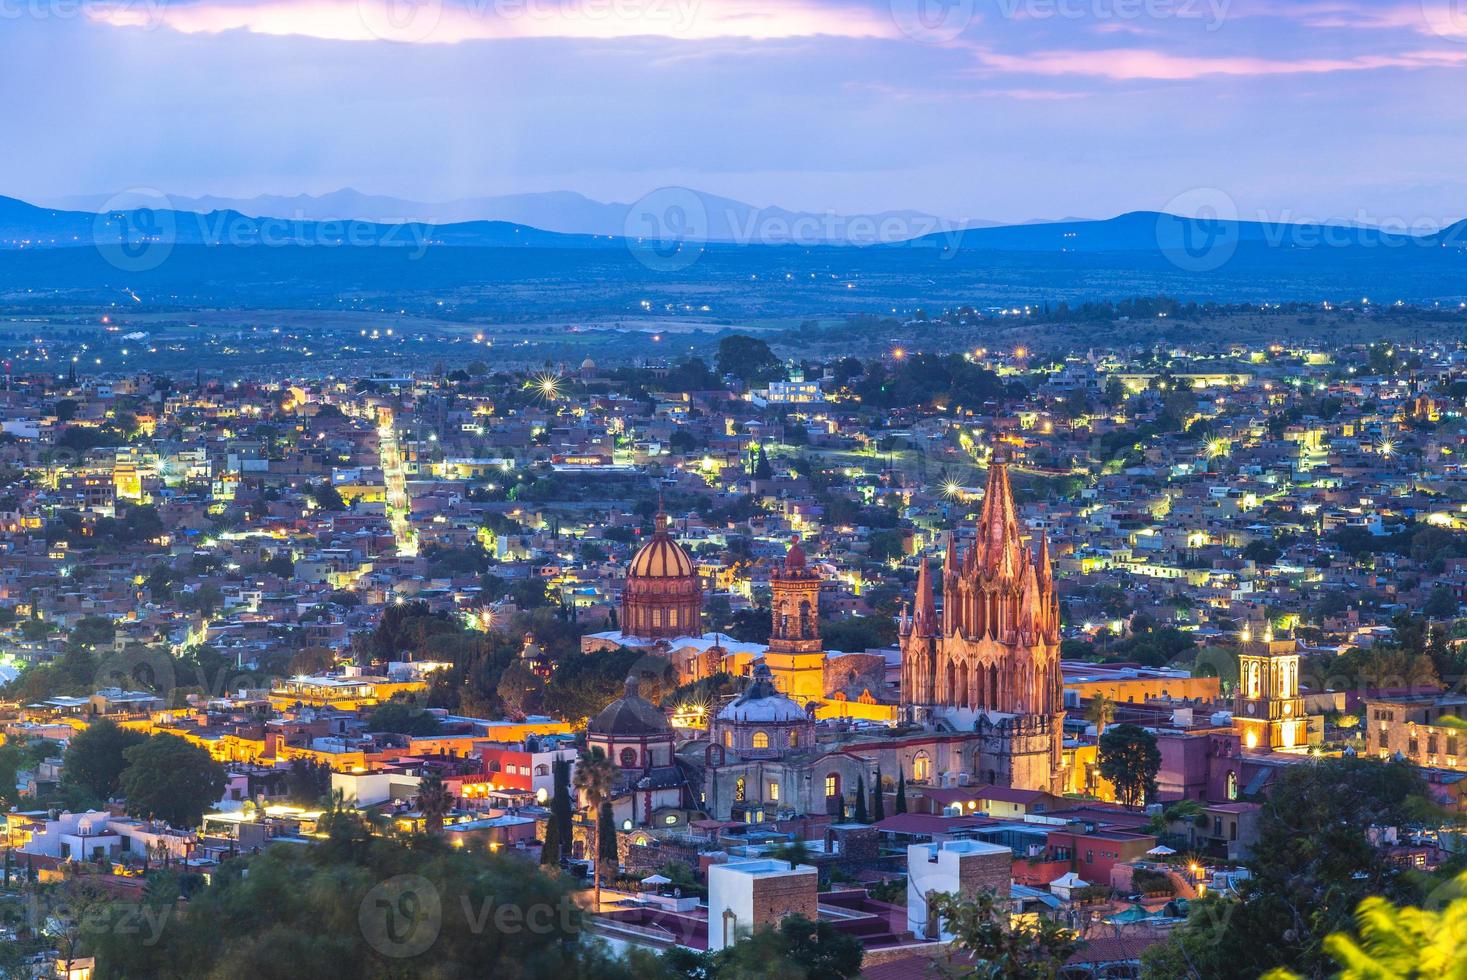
(746, 895)
(961, 866)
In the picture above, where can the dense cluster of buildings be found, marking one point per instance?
(853, 647)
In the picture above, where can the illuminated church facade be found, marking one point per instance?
(989, 662)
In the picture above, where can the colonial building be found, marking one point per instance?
(634, 733)
(990, 663)
(795, 658)
(762, 760)
(663, 598)
(1267, 710)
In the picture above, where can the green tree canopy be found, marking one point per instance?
(402, 718)
(748, 359)
(95, 757)
(168, 779)
(1130, 759)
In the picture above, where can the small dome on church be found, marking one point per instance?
(630, 714)
(762, 703)
(588, 365)
(795, 560)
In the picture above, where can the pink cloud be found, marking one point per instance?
(455, 21)
(1130, 65)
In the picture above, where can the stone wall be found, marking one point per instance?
(985, 872)
(782, 895)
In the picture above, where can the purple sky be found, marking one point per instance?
(982, 109)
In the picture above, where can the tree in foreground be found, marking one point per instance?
(1312, 866)
(996, 948)
(595, 778)
(796, 949)
(361, 906)
(1393, 943)
(1130, 760)
(168, 779)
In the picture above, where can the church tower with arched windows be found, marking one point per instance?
(1267, 711)
(990, 662)
(795, 659)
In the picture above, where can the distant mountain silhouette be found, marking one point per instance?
(667, 211)
(672, 216)
(1149, 231)
(25, 225)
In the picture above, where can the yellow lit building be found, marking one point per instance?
(343, 693)
(1268, 712)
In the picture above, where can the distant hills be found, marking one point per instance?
(565, 220)
(25, 225)
(1143, 231)
(665, 211)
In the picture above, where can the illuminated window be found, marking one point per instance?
(774, 792)
(832, 785)
(1232, 785)
(739, 790)
(921, 767)
(794, 739)
(761, 740)
(728, 739)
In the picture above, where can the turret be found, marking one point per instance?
(924, 621)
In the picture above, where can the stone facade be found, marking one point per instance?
(991, 661)
(794, 656)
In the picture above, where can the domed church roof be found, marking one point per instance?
(630, 715)
(661, 557)
(761, 703)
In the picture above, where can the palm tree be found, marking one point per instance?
(1101, 711)
(434, 802)
(594, 781)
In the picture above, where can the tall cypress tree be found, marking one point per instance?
(861, 800)
(901, 797)
(878, 800)
(608, 858)
(550, 851)
(560, 806)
